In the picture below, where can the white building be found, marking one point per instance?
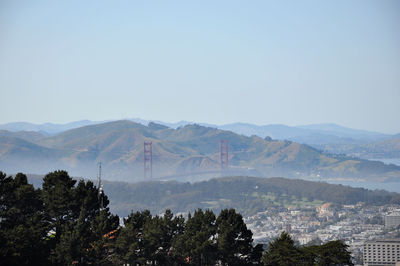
(304, 239)
(382, 252)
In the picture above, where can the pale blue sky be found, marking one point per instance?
(262, 62)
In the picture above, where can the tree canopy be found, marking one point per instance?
(282, 251)
(65, 223)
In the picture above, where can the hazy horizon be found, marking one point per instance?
(192, 122)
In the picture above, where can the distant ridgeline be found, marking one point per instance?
(248, 195)
(189, 153)
(69, 223)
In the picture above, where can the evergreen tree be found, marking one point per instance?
(74, 244)
(100, 225)
(104, 229)
(282, 251)
(331, 253)
(256, 254)
(59, 202)
(129, 246)
(197, 245)
(78, 222)
(234, 243)
(86, 195)
(153, 239)
(23, 228)
(171, 227)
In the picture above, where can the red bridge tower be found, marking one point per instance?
(148, 160)
(223, 148)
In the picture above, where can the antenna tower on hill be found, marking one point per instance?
(100, 187)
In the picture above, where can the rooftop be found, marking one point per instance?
(394, 240)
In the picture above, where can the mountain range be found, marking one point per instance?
(189, 152)
(330, 138)
(276, 131)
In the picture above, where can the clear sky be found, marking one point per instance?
(290, 62)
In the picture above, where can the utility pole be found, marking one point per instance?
(100, 187)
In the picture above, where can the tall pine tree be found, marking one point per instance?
(197, 245)
(234, 242)
(23, 229)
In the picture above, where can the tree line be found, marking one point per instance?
(68, 222)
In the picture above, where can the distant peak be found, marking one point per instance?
(156, 126)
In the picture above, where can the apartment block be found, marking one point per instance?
(382, 252)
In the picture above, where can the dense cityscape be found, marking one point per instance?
(354, 224)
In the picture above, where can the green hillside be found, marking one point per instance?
(248, 195)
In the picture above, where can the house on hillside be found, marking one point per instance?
(325, 210)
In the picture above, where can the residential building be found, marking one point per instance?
(382, 252)
(392, 220)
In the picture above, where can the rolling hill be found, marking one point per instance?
(327, 137)
(248, 195)
(312, 134)
(25, 135)
(190, 152)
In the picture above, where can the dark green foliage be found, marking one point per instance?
(64, 224)
(198, 242)
(74, 242)
(148, 238)
(331, 253)
(23, 228)
(60, 224)
(59, 202)
(129, 246)
(203, 240)
(78, 219)
(171, 228)
(282, 251)
(234, 243)
(103, 228)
